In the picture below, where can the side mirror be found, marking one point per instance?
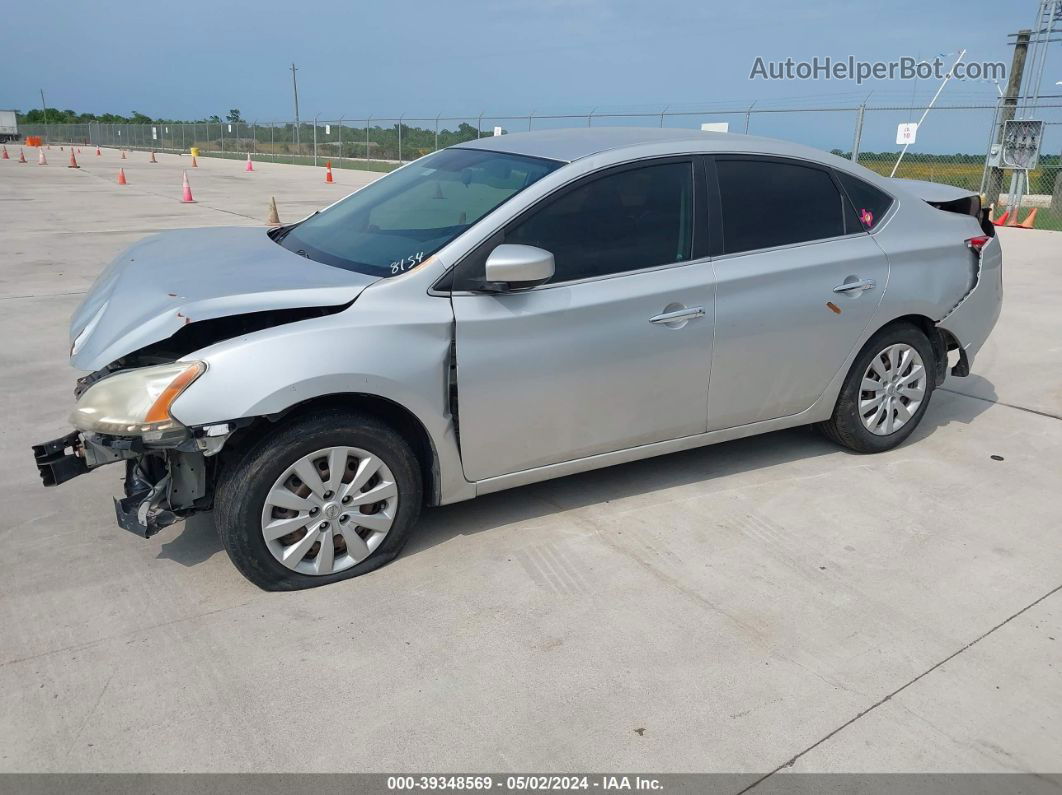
(511, 266)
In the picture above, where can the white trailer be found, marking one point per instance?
(8, 126)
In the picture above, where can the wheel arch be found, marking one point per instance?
(941, 340)
(393, 414)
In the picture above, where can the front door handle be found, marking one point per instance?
(859, 286)
(678, 315)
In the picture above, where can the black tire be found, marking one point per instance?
(244, 484)
(845, 426)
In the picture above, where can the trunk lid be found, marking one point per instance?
(950, 199)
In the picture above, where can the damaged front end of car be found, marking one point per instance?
(143, 333)
(123, 416)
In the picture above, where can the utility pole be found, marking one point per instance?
(43, 106)
(994, 183)
(295, 89)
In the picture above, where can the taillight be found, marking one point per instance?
(978, 243)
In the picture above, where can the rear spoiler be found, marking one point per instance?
(950, 199)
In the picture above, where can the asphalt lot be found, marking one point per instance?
(736, 608)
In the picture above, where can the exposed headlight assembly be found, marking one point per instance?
(136, 402)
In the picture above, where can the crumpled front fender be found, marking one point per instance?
(385, 345)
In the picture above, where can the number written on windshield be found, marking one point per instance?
(404, 264)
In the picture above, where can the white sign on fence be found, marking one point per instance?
(716, 126)
(230, 128)
(154, 133)
(497, 130)
(328, 129)
(906, 133)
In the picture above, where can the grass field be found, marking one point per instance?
(963, 175)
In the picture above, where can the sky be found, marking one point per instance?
(193, 59)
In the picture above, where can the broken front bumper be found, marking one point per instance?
(162, 485)
(57, 466)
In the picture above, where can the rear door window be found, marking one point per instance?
(768, 203)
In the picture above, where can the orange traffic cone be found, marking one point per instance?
(121, 177)
(21, 156)
(5, 156)
(1030, 220)
(249, 167)
(41, 159)
(153, 160)
(73, 162)
(1002, 219)
(273, 219)
(186, 196)
(98, 152)
(194, 163)
(328, 173)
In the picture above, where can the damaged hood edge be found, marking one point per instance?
(170, 280)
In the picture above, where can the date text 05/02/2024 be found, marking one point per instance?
(521, 783)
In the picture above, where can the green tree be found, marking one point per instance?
(49, 116)
(234, 116)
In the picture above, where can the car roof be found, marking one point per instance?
(574, 143)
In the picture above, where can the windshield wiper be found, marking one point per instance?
(282, 232)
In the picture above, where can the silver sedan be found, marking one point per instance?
(510, 310)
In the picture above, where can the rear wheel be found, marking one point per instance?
(325, 498)
(886, 393)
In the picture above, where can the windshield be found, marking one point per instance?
(395, 223)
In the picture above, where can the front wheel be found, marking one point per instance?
(324, 498)
(886, 393)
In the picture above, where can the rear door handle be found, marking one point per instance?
(678, 315)
(860, 286)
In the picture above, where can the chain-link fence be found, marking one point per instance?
(865, 133)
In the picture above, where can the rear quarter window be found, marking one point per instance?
(870, 204)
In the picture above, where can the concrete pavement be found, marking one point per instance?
(738, 608)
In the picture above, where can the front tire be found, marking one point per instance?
(886, 392)
(323, 498)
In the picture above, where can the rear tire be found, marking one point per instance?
(283, 482)
(886, 392)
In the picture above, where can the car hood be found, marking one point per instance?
(169, 280)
